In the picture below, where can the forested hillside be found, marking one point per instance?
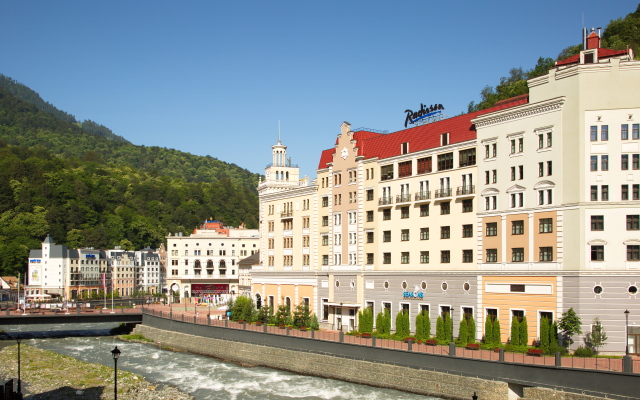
(618, 35)
(88, 190)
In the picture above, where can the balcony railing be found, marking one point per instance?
(423, 196)
(462, 190)
(403, 198)
(286, 214)
(383, 201)
(442, 193)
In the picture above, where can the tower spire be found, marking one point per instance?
(279, 132)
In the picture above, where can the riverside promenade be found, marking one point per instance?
(204, 315)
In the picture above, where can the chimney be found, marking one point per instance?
(593, 40)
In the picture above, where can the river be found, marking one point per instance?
(204, 377)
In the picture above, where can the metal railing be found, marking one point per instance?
(442, 193)
(383, 201)
(462, 190)
(423, 196)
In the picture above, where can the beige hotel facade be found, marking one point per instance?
(524, 209)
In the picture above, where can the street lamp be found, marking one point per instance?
(626, 333)
(451, 315)
(116, 354)
(19, 385)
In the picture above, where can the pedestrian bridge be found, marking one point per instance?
(122, 315)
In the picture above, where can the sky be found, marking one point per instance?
(218, 78)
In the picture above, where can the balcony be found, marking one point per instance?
(466, 190)
(423, 196)
(403, 198)
(384, 201)
(286, 214)
(439, 193)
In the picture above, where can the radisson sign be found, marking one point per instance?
(424, 112)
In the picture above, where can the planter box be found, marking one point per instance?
(473, 346)
(534, 352)
(281, 326)
(365, 335)
(496, 350)
(431, 342)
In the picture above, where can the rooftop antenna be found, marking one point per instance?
(278, 131)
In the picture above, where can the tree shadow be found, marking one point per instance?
(69, 393)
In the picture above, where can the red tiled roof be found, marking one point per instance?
(460, 129)
(602, 53)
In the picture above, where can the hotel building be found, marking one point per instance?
(524, 209)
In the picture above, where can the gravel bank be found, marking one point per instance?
(51, 376)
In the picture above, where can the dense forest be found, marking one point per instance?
(618, 35)
(87, 190)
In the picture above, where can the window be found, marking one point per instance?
(404, 147)
(540, 169)
(517, 254)
(549, 139)
(604, 132)
(424, 210)
(445, 208)
(597, 253)
(492, 229)
(370, 216)
(386, 214)
(404, 169)
(513, 146)
(424, 233)
(549, 168)
(490, 202)
(444, 139)
(467, 205)
(369, 237)
(594, 193)
(325, 201)
(486, 151)
(494, 176)
(604, 192)
(424, 165)
(467, 157)
(540, 141)
(624, 131)
(604, 163)
(635, 163)
(487, 178)
(513, 173)
(624, 162)
(467, 256)
(636, 192)
(369, 194)
(492, 255)
(404, 235)
(445, 256)
(521, 172)
(325, 240)
(325, 220)
(386, 172)
(404, 212)
(594, 133)
(635, 131)
(494, 148)
(633, 222)
(369, 258)
(520, 145)
(445, 232)
(325, 259)
(404, 257)
(546, 253)
(424, 257)
(633, 252)
(386, 258)
(445, 161)
(517, 227)
(597, 222)
(546, 225)
(386, 236)
(467, 230)
(624, 195)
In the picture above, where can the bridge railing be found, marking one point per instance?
(594, 363)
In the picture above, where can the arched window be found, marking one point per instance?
(287, 302)
(197, 265)
(209, 264)
(222, 267)
(258, 300)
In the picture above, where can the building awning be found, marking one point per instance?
(334, 304)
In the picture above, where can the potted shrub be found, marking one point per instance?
(365, 335)
(303, 328)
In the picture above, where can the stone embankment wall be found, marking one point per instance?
(363, 372)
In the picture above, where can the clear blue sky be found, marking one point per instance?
(213, 77)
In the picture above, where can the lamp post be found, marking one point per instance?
(19, 385)
(116, 354)
(451, 315)
(626, 333)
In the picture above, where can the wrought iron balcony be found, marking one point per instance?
(442, 193)
(463, 190)
(403, 198)
(423, 196)
(383, 201)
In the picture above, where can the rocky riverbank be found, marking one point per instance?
(51, 376)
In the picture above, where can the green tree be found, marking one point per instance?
(488, 330)
(623, 32)
(515, 332)
(383, 322)
(402, 324)
(471, 329)
(423, 326)
(570, 325)
(544, 334)
(463, 331)
(440, 331)
(365, 321)
(524, 332)
(497, 332)
(597, 337)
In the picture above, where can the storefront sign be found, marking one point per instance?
(413, 295)
(34, 260)
(200, 289)
(424, 112)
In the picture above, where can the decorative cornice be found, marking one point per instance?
(523, 111)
